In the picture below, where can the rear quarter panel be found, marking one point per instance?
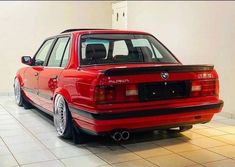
(77, 86)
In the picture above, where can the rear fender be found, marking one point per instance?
(64, 93)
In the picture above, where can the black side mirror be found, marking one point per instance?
(26, 60)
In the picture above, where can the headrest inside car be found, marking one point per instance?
(145, 51)
(95, 51)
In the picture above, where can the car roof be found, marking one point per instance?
(97, 30)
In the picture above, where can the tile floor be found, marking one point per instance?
(28, 139)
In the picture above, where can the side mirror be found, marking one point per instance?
(26, 60)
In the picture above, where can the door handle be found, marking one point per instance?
(54, 77)
(36, 74)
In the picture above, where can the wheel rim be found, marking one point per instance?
(17, 91)
(60, 115)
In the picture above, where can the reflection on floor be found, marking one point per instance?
(28, 139)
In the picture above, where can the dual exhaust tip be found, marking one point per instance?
(120, 135)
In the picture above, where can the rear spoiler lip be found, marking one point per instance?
(157, 69)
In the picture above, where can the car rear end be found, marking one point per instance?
(141, 98)
(147, 94)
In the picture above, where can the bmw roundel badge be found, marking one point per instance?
(165, 75)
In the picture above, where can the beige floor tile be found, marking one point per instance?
(229, 138)
(95, 149)
(207, 142)
(13, 132)
(54, 143)
(168, 142)
(227, 151)
(222, 163)
(10, 126)
(85, 160)
(135, 163)
(47, 136)
(118, 156)
(7, 161)
(26, 147)
(4, 150)
(172, 160)
(34, 156)
(66, 152)
(182, 147)
(189, 135)
(116, 147)
(215, 124)
(147, 150)
(227, 121)
(202, 156)
(54, 163)
(228, 129)
(210, 132)
(11, 140)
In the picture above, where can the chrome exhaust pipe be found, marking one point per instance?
(117, 136)
(125, 135)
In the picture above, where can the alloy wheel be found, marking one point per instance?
(60, 116)
(17, 91)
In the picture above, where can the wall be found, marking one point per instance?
(24, 25)
(196, 32)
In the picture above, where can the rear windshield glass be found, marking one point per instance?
(122, 49)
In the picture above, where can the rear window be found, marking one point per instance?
(102, 49)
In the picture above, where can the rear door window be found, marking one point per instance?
(66, 55)
(58, 52)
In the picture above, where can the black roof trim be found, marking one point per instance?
(82, 29)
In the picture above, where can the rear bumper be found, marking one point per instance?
(145, 119)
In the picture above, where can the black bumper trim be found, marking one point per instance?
(145, 113)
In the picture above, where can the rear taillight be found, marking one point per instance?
(117, 93)
(204, 88)
(105, 93)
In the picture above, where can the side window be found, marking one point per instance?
(66, 55)
(58, 52)
(120, 48)
(42, 53)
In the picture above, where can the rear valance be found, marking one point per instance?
(157, 69)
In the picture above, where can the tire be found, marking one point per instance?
(19, 97)
(18, 93)
(63, 121)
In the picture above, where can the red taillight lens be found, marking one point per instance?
(115, 94)
(106, 93)
(204, 88)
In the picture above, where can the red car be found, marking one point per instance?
(115, 82)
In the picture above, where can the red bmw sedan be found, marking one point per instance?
(115, 82)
